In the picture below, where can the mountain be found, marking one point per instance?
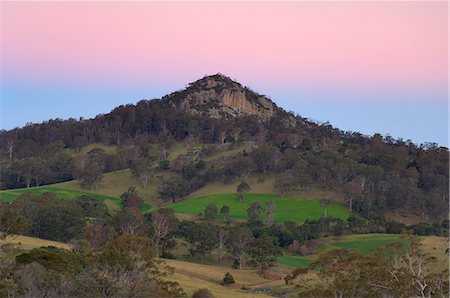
(218, 96)
(373, 174)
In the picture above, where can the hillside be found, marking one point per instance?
(226, 125)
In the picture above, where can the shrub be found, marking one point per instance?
(164, 164)
(228, 279)
(202, 293)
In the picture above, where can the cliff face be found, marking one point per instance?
(218, 96)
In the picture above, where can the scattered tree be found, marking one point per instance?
(241, 189)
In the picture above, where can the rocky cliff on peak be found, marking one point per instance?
(218, 96)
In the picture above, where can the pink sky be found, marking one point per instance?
(342, 44)
(370, 66)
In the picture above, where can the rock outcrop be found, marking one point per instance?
(218, 96)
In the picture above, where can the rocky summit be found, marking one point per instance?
(218, 96)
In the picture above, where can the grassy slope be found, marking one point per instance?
(197, 276)
(365, 243)
(432, 245)
(286, 208)
(28, 243)
(113, 203)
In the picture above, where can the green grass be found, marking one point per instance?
(113, 203)
(287, 209)
(296, 261)
(365, 243)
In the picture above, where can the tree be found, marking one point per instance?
(325, 203)
(225, 212)
(161, 228)
(264, 252)
(49, 217)
(91, 176)
(270, 211)
(174, 188)
(11, 221)
(86, 170)
(210, 212)
(254, 212)
(348, 273)
(203, 238)
(286, 183)
(93, 208)
(141, 169)
(238, 241)
(223, 237)
(129, 221)
(351, 190)
(242, 188)
(131, 199)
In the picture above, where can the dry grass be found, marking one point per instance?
(436, 247)
(193, 276)
(116, 183)
(407, 219)
(191, 284)
(28, 243)
(215, 274)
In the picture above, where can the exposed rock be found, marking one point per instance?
(218, 96)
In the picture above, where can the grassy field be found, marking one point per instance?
(192, 277)
(113, 203)
(286, 208)
(28, 243)
(364, 243)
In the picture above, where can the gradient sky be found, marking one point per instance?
(363, 66)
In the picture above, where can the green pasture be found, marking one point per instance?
(65, 194)
(287, 209)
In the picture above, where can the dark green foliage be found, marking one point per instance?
(164, 164)
(264, 252)
(173, 189)
(53, 258)
(254, 212)
(203, 238)
(92, 207)
(228, 279)
(50, 217)
(210, 212)
(225, 211)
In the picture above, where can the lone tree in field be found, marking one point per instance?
(210, 212)
(225, 212)
(242, 188)
(325, 203)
